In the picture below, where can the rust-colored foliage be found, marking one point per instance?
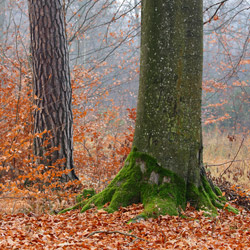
(96, 229)
(103, 130)
(102, 137)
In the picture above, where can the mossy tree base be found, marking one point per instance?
(161, 191)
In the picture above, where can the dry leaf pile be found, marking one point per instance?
(96, 229)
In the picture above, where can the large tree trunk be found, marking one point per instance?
(164, 171)
(168, 124)
(52, 86)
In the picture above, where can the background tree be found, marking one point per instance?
(52, 86)
(2, 18)
(164, 170)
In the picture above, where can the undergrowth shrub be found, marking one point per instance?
(102, 140)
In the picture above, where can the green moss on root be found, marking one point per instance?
(81, 200)
(143, 180)
(77, 206)
(86, 194)
(205, 198)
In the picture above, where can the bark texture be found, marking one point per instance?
(168, 124)
(164, 170)
(52, 86)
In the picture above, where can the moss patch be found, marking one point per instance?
(86, 194)
(143, 180)
(205, 198)
(77, 206)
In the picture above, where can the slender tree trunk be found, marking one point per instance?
(52, 86)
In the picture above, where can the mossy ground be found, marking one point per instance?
(86, 194)
(161, 191)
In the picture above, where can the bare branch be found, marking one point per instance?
(216, 11)
(233, 158)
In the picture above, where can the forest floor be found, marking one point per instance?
(28, 225)
(96, 229)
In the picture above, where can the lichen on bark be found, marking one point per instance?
(167, 170)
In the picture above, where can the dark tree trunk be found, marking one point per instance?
(52, 86)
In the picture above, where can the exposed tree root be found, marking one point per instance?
(161, 191)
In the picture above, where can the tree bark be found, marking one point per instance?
(164, 170)
(168, 124)
(52, 86)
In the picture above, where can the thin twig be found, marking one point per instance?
(215, 13)
(233, 158)
(114, 232)
(211, 6)
(225, 163)
(164, 236)
(13, 209)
